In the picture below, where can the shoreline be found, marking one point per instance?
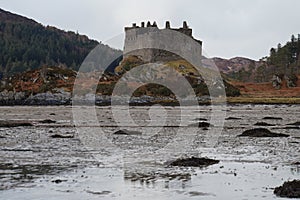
(229, 101)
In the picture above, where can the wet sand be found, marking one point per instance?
(35, 165)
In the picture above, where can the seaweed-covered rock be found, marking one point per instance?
(263, 124)
(47, 121)
(67, 135)
(200, 119)
(127, 132)
(261, 132)
(201, 124)
(194, 162)
(233, 118)
(290, 189)
(9, 124)
(273, 118)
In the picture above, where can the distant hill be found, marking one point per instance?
(26, 45)
(244, 69)
(283, 61)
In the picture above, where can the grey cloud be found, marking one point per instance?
(228, 28)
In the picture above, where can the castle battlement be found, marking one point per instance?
(184, 29)
(137, 37)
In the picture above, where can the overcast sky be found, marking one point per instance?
(228, 28)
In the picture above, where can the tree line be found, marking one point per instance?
(27, 45)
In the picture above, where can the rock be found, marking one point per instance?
(194, 162)
(62, 136)
(291, 80)
(290, 189)
(98, 193)
(201, 124)
(294, 124)
(195, 193)
(291, 127)
(273, 118)
(263, 124)
(276, 81)
(127, 132)
(233, 118)
(9, 124)
(11, 98)
(57, 181)
(200, 119)
(49, 98)
(47, 121)
(261, 132)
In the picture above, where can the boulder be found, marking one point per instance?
(290, 189)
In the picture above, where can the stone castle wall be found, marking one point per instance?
(137, 39)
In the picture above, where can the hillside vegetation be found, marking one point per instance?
(184, 68)
(26, 45)
(283, 61)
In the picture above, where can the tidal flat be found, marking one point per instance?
(59, 158)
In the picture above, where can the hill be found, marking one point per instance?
(283, 63)
(26, 45)
(183, 67)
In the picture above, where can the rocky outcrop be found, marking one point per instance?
(276, 82)
(291, 80)
(49, 98)
(12, 98)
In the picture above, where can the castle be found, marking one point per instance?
(139, 37)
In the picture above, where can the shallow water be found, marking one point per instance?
(96, 164)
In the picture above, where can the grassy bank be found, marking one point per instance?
(264, 100)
